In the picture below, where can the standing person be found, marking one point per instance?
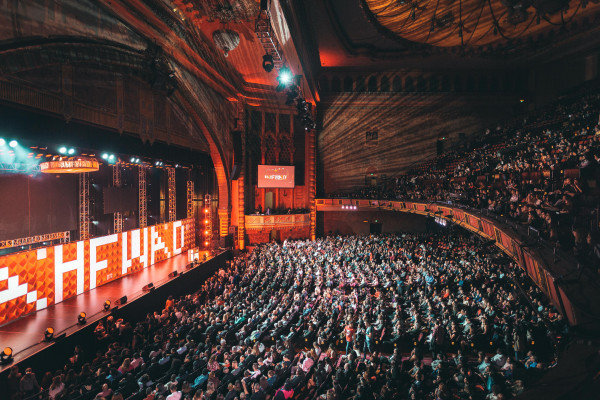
(29, 384)
(350, 333)
(14, 379)
(368, 339)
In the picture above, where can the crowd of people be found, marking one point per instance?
(542, 172)
(419, 316)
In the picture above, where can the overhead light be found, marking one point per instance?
(107, 305)
(71, 151)
(2, 142)
(13, 143)
(7, 355)
(268, 64)
(284, 78)
(137, 160)
(111, 157)
(62, 150)
(49, 334)
(81, 318)
(132, 159)
(105, 156)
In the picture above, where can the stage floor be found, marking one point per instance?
(25, 335)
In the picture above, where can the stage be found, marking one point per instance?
(25, 335)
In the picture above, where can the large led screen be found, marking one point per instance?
(35, 279)
(275, 176)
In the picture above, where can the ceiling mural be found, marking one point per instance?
(475, 23)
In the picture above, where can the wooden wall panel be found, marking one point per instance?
(408, 126)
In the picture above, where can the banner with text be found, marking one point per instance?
(33, 280)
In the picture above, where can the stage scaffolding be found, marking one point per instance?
(172, 198)
(142, 197)
(84, 206)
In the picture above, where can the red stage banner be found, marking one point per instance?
(33, 280)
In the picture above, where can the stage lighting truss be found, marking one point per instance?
(207, 215)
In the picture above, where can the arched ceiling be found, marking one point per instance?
(474, 23)
(429, 34)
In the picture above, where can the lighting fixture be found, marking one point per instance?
(81, 318)
(7, 355)
(107, 305)
(13, 143)
(105, 156)
(62, 150)
(268, 64)
(2, 142)
(49, 334)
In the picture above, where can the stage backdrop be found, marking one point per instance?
(33, 280)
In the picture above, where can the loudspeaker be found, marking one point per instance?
(173, 274)
(237, 155)
(148, 287)
(122, 300)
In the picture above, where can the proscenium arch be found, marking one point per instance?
(34, 53)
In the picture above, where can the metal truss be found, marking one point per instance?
(84, 206)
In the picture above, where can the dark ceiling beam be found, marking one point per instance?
(304, 43)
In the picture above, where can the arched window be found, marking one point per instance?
(360, 84)
(397, 83)
(385, 84)
(336, 84)
(348, 84)
(372, 85)
(421, 86)
(408, 84)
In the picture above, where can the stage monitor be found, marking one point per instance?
(275, 176)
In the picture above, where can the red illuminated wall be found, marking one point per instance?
(36, 279)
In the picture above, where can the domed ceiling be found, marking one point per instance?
(448, 23)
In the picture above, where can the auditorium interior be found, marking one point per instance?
(299, 199)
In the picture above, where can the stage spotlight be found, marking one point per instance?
(132, 159)
(268, 63)
(2, 142)
(137, 160)
(62, 150)
(81, 318)
(13, 143)
(173, 274)
(111, 157)
(284, 78)
(49, 334)
(7, 355)
(105, 156)
(107, 305)
(71, 151)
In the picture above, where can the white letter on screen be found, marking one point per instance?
(156, 244)
(95, 265)
(178, 225)
(61, 267)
